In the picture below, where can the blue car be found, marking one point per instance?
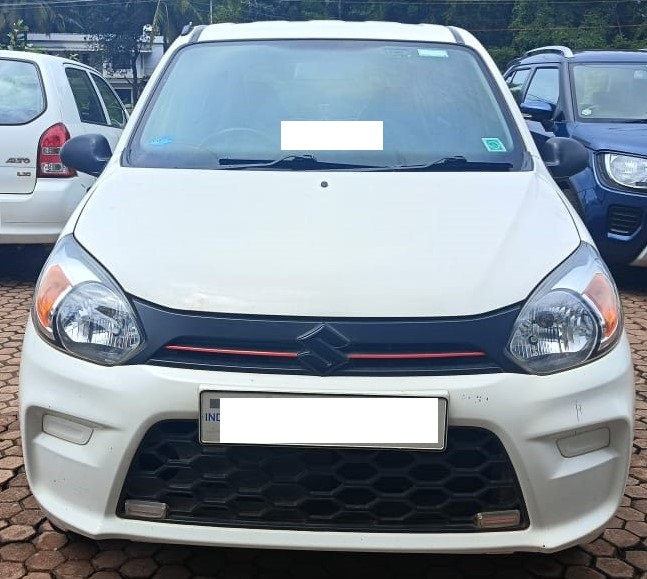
(600, 99)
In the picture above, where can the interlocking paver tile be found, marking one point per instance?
(73, 570)
(638, 559)
(579, 572)
(44, 561)
(50, 541)
(600, 548)
(14, 533)
(17, 552)
(11, 570)
(630, 514)
(80, 550)
(621, 538)
(106, 560)
(615, 568)
(141, 567)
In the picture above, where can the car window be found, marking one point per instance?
(85, 96)
(21, 93)
(614, 91)
(516, 81)
(114, 107)
(234, 100)
(544, 86)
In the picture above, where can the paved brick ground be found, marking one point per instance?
(31, 548)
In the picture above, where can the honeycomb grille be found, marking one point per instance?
(316, 488)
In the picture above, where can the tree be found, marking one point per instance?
(17, 37)
(170, 17)
(120, 32)
(36, 15)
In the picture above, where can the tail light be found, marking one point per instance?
(49, 152)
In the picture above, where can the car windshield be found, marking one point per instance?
(326, 105)
(611, 92)
(21, 93)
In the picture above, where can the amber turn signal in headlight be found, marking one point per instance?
(52, 286)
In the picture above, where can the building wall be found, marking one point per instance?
(82, 47)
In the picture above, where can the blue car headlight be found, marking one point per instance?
(625, 170)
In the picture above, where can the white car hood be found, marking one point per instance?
(362, 245)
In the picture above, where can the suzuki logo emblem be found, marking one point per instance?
(322, 349)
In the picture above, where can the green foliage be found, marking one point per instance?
(506, 27)
(17, 38)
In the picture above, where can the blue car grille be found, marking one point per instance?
(624, 220)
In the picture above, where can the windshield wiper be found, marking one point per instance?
(310, 163)
(290, 162)
(457, 162)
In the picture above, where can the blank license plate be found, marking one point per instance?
(367, 421)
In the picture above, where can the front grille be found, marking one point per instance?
(318, 488)
(623, 220)
(209, 356)
(324, 347)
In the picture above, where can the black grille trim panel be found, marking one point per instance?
(348, 340)
(327, 489)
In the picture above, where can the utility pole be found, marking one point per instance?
(210, 11)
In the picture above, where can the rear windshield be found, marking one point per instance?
(21, 92)
(326, 104)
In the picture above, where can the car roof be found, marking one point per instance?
(329, 29)
(583, 56)
(40, 58)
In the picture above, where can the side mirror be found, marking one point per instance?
(564, 157)
(87, 153)
(539, 111)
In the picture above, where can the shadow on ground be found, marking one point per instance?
(22, 263)
(633, 279)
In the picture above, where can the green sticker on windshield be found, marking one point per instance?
(494, 145)
(433, 52)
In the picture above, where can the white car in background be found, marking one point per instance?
(326, 295)
(44, 101)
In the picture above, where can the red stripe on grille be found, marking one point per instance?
(269, 354)
(418, 356)
(233, 352)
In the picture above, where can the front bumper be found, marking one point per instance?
(616, 219)
(567, 499)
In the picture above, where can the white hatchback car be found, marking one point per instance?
(45, 100)
(326, 295)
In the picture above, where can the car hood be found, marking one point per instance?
(327, 244)
(621, 137)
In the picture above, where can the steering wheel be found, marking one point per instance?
(222, 135)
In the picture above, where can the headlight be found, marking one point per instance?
(80, 309)
(573, 317)
(626, 170)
